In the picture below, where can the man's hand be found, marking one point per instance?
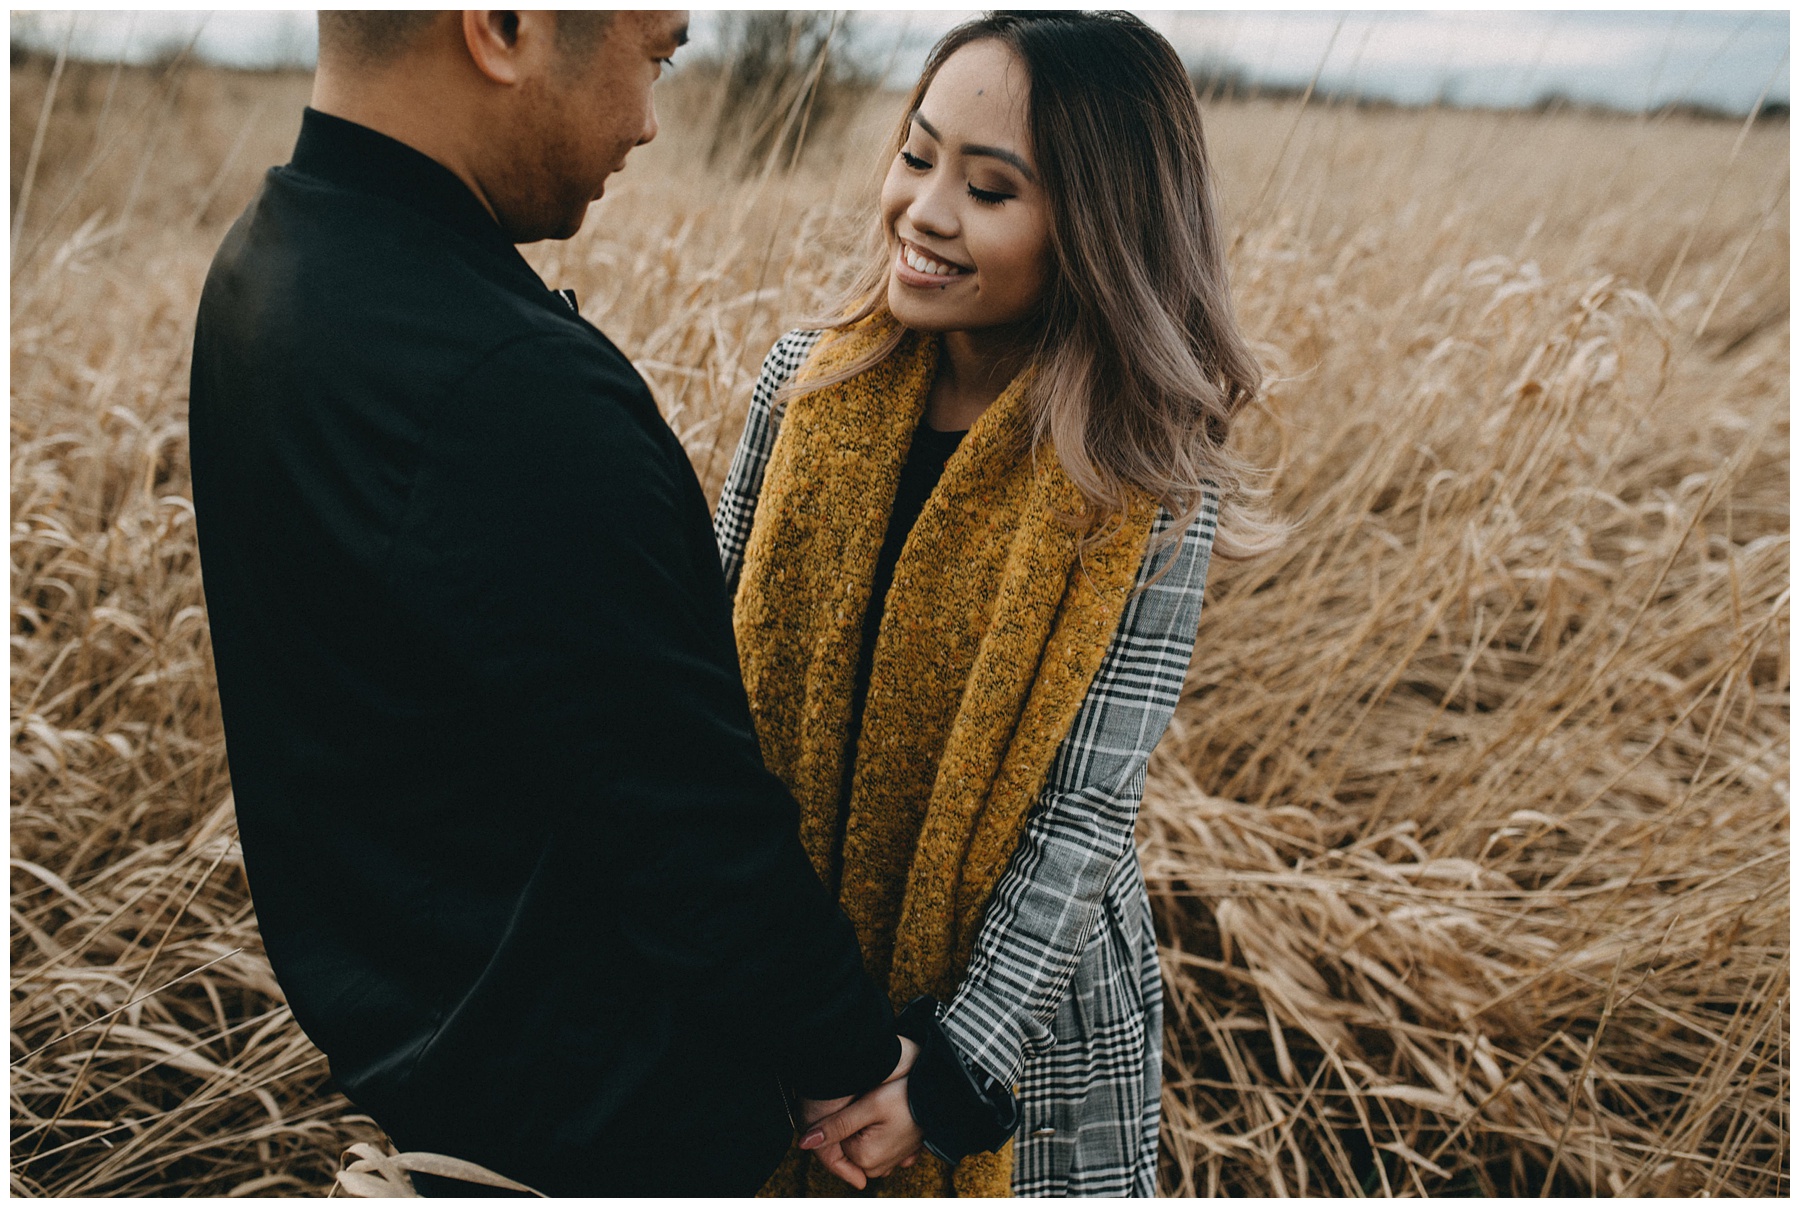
(814, 1110)
(867, 1138)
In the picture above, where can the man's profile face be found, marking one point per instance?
(586, 114)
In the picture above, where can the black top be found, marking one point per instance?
(516, 860)
(925, 461)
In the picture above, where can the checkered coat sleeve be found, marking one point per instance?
(1062, 997)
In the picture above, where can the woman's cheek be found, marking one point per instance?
(1024, 275)
(891, 200)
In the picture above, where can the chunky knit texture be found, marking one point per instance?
(994, 627)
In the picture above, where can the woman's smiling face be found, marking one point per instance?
(968, 223)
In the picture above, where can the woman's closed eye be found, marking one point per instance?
(987, 197)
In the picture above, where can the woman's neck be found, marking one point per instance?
(973, 368)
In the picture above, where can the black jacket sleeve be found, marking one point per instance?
(557, 538)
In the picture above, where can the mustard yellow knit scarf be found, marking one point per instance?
(993, 630)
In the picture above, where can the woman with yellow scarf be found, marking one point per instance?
(968, 526)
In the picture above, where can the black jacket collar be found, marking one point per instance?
(356, 157)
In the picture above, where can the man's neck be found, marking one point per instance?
(376, 104)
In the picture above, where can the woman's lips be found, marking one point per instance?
(907, 255)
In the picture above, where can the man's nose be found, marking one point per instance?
(650, 126)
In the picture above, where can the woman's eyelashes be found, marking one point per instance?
(987, 197)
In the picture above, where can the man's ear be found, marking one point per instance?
(495, 43)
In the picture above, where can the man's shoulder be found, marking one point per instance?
(378, 291)
(352, 253)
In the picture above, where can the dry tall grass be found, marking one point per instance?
(1470, 840)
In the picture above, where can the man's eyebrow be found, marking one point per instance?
(999, 153)
(681, 37)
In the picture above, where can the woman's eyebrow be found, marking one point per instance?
(999, 153)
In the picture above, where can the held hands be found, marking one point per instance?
(877, 1131)
(868, 1136)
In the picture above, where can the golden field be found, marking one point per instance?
(1469, 841)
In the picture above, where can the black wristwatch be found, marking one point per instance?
(960, 1110)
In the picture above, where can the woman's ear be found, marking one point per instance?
(505, 43)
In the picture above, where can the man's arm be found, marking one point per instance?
(557, 536)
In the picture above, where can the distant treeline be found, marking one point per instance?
(1234, 83)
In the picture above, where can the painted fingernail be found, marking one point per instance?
(813, 1139)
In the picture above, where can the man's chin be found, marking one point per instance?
(573, 227)
(565, 227)
(576, 219)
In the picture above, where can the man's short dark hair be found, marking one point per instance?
(370, 35)
(375, 36)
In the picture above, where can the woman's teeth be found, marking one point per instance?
(924, 264)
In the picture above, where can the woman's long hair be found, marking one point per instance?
(1141, 367)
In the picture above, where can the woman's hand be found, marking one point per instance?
(889, 1139)
(870, 1136)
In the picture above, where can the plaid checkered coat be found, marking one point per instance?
(1062, 997)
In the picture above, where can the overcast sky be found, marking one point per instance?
(1630, 60)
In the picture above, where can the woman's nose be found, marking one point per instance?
(933, 209)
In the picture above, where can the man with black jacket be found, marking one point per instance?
(515, 857)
